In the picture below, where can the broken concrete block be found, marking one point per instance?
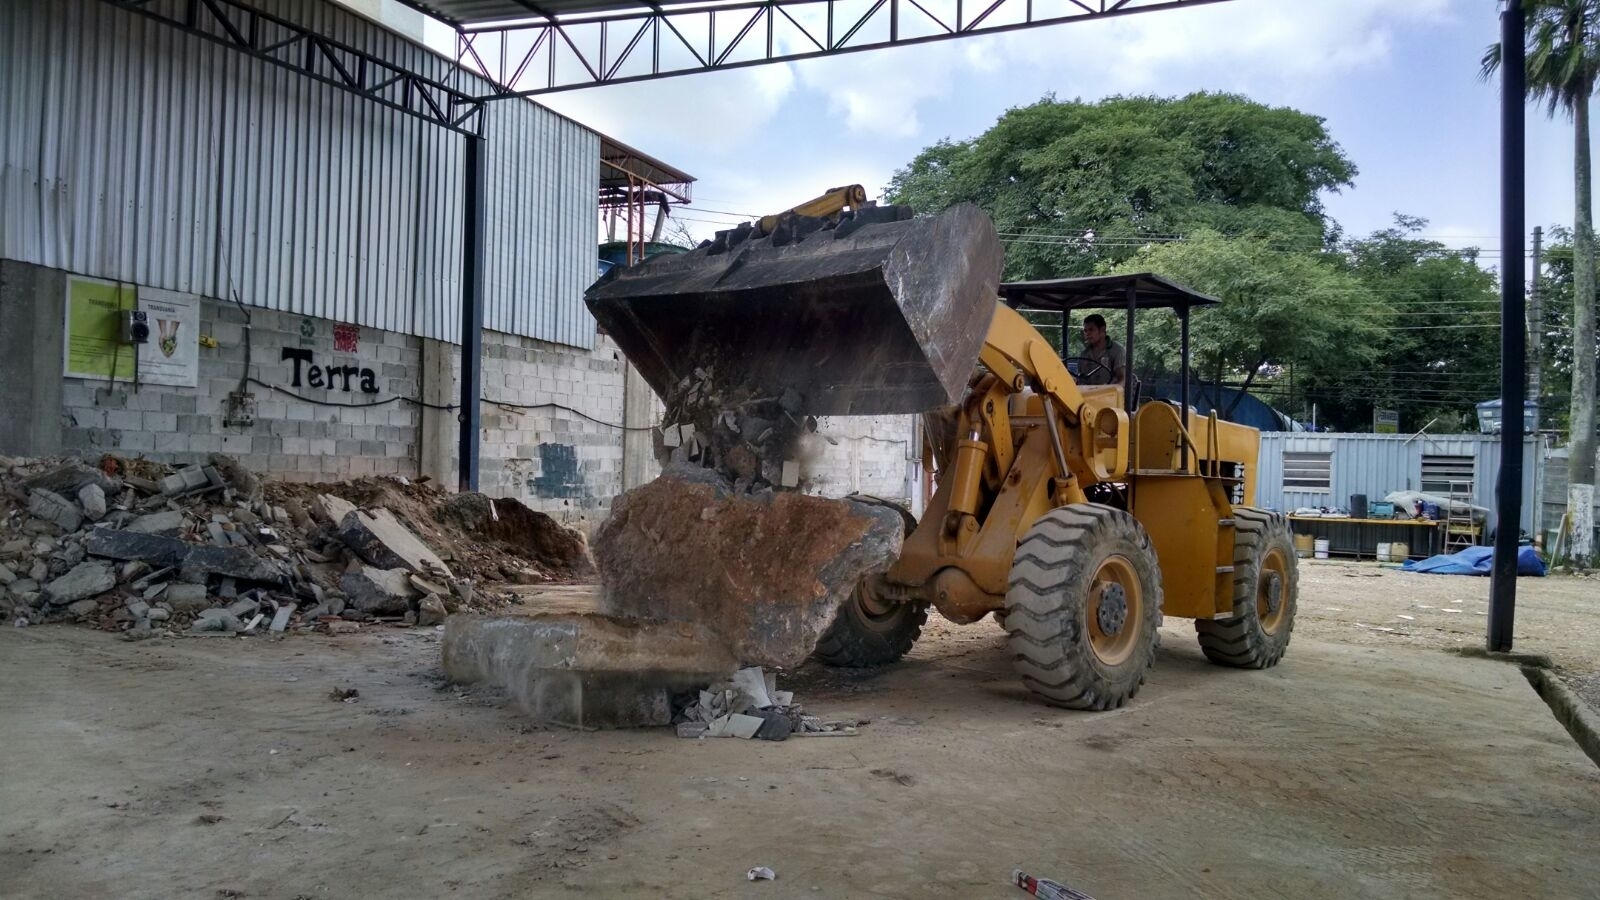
(280, 619)
(67, 479)
(83, 607)
(86, 579)
(157, 614)
(769, 570)
(735, 725)
(138, 609)
(230, 471)
(374, 590)
(218, 536)
(431, 611)
(378, 537)
(166, 522)
(585, 671)
(93, 500)
(185, 597)
(54, 508)
(243, 608)
(335, 508)
(217, 620)
(339, 627)
(22, 586)
(7, 576)
(191, 559)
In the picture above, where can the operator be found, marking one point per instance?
(1106, 362)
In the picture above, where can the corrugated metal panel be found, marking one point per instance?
(133, 152)
(1378, 464)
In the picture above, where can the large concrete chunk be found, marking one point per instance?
(194, 559)
(381, 591)
(767, 571)
(585, 670)
(883, 314)
(86, 579)
(52, 507)
(378, 537)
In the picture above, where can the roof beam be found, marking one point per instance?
(574, 51)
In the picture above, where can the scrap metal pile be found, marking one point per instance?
(145, 549)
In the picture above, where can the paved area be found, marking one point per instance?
(222, 768)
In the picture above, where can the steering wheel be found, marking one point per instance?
(1080, 360)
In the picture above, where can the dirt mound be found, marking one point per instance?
(532, 534)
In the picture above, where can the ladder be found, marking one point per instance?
(1460, 531)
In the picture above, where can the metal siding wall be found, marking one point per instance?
(1379, 464)
(125, 139)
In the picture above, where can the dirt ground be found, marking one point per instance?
(1367, 765)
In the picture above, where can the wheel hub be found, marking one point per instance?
(1272, 589)
(1111, 612)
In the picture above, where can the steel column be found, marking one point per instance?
(1127, 353)
(472, 243)
(1183, 392)
(1513, 327)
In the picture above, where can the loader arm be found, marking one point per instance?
(1028, 440)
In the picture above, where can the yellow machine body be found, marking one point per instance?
(1180, 479)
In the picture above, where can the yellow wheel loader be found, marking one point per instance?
(1077, 516)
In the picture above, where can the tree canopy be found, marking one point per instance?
(1225, 195)
(1075, 186)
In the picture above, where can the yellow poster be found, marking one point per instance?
(94, 329)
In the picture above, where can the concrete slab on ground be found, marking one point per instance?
(1349, 771)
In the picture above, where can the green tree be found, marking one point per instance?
(1563, 66)
(1280, 309)
(1076, 186)
(1440, 353)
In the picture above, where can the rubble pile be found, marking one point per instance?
(749, 705)
(136, 547)
(753, 441)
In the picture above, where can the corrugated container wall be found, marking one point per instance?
(1378, 464)
(135, 153)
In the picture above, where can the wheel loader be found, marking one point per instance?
(1076, 516)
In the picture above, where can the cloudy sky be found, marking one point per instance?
(1397, 82)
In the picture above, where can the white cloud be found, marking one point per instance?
(715, 112)
(1241, 42)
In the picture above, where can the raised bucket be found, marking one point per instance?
(1384, 550)
(1302, 545)
(1320, 548)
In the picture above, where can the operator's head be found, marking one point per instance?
(1094, 329)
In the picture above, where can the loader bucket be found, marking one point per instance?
(880, 314)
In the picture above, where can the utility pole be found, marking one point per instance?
(1513, 327)
(1535, 325)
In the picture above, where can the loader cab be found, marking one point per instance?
(1164, 435)
(1136, 296)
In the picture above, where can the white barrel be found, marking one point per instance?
(1320, 548)
(1383, 551)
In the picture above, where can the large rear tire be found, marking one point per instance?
(1266, 592)
(1084, 607)
(868, 632)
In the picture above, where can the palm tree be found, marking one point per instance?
(1563, 50)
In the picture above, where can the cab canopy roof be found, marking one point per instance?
(1149, 291)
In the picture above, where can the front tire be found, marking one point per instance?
(1266, 592)
(1084, 607)
(868, 632)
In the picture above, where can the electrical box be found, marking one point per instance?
(135, 326)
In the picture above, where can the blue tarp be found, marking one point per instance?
(1476, 561)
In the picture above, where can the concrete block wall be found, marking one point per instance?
(564, 458)
(299, 433)
(869, 458)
